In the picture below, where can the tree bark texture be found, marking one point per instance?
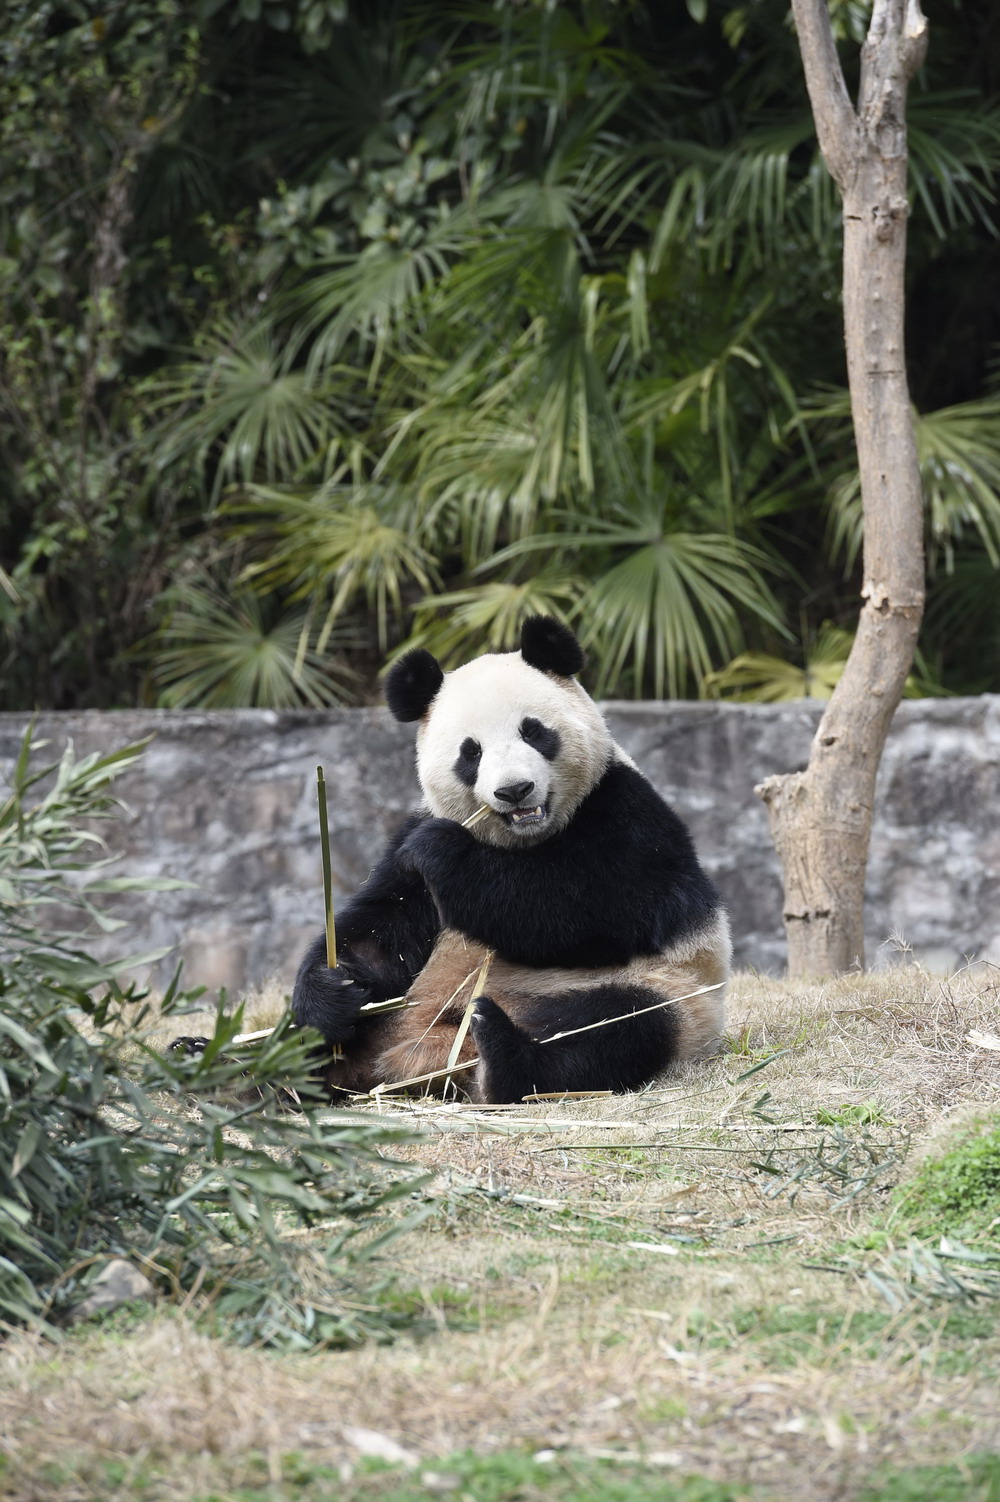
(821, 818)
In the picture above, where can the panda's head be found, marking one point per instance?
(511, 730)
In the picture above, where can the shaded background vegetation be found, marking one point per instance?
(327, 327)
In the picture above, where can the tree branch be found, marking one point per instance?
(894, 49)
(914, 39)
(836, 123)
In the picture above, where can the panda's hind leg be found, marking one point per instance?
(620, 1055)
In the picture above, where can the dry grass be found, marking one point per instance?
(603, 1378)
(634, 1284)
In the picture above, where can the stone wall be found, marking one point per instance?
(228, 800)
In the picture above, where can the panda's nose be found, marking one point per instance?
(514, 793)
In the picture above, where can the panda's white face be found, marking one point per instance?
(527, 745)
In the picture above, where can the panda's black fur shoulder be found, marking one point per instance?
(385, 935)
(620, 881)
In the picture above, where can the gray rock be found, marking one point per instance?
(118, 1282)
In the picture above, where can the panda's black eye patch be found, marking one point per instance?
(467, 765)
(544, 740)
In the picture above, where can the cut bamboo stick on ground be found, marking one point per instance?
(418, 1079)
(568, 1095)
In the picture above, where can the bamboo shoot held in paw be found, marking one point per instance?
(324, 839)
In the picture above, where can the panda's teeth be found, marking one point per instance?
(518, 814)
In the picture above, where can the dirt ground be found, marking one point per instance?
(700, 1277)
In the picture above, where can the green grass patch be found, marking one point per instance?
(960, 1190)
(507, 1476)
(790, 1334)
(976, 1479)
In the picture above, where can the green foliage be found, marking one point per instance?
(384, 301)
(82, 510)
(246, 405)
(849, 1159)
(868, 1113)
(224, 651)
(762, 678)
(958, 449)
(339, 546)
(939, 1245)
(194, 1168)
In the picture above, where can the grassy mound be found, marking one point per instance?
(958, 1191)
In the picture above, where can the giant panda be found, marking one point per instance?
(580, 881)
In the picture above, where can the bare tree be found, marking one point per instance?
(821, 818)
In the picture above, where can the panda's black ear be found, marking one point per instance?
(550, 646)
(411, 683)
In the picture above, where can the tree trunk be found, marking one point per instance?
(821, 818)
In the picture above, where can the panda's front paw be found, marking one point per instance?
(193, 1047)
(350, 987)
(507, 1055)
(330, 1000)
(433, 848)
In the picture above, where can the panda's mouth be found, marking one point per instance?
(521, 817)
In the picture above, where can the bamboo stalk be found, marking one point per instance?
(568, 1095)
(324, 840)
(242, 1039)
(418, 1079)
(463, 1026)
(265, 1032)
(475, 818)
(391, 1004)
(625, 1016)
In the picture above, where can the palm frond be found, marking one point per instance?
(958, 449)
(670, 606)
(231, 651)
(959, 452)
(954, 145)
(661, 602)
(242, 403)
(962, 621)
(341, 545)
(742, 374)
(761, 678)
(372, 295)
(488, 617)
(530, 415)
